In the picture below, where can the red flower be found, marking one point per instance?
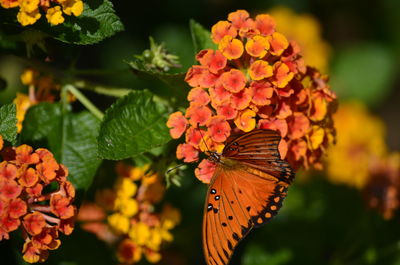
(198, 114)
(213, 60)
(34, 223)
(23, 176)
(24, 155)
(261, 92)
(61, 206)
(7, 170)
(198, 96)
(233, 81)
(187, 152)
(218, 128)
(17, 208)
(257, 78)
(265, 24)
(205, 171)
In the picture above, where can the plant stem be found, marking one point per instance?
(108, 91)
(85, 101)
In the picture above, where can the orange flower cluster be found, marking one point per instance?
(382, 191)
(27, 197)
(132, 222)
(42, 88)
(256, 78)
(29, 10)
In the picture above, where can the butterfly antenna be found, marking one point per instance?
(202, 138)
(174, 168)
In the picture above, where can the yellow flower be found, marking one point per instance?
(306, 31)
(70, 7)
(29, 76)
(119, 222)
(140, 233)
(29, 6)
(170, 217)
(22, 103)
(126, 188)
(26, 18)
(152, 256)
(360, 141)
(127, 206)
(155, 239)
(54, 15)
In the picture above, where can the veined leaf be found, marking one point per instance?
(8, 122)
(133, 125)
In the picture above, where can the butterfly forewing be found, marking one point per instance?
(259, 149)
(247, 190)
(237, 201)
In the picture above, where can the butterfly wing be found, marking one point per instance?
(237, 200)
(259, 149)
(247, 190)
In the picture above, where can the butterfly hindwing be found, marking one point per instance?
(246, 191)
(237, 200)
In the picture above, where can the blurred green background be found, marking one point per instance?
(320, 223)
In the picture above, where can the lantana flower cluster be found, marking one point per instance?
(42, 88)
(35, 197)
(31, 10)
(255, 79)
(363, 161)
(126, 215)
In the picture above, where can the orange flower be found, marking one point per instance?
(23, 175)
(198, 96)
(260, 69)
(261, 93)
(233, 81)
(177, 124)
(198, 114)
(278, 43)
(61, 206)
(265, 24)
(187, 152)
(34, 223)
(222, 29)
(231, 48)
(205, 171)
(219, 128)
(213, 60)
(240, 19)
(246, 121)
(257, 46)
(242, 99)
(282, 75)
(262, 82)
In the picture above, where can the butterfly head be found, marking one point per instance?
(214, 156)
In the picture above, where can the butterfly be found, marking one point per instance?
(247, 189)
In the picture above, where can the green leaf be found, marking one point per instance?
(74, 144)
(365, 72)
(201, 37)
(40, 120)
(71, 138)
(133, 125)
(97, 22)
(8, 122)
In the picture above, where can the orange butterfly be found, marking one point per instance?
(246, 191)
